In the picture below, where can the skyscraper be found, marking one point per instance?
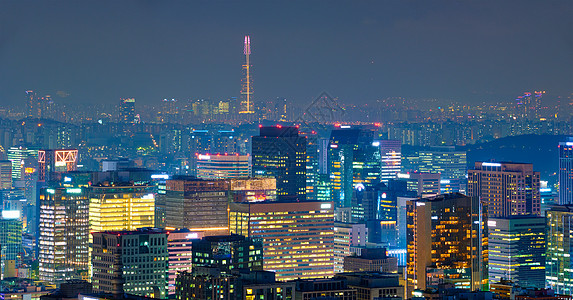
(451, 164)
(247, 82)
(391, 151)
(18, 156)
(354, 158)
(280, 152)
(223, 166)
(132, 262)
(507, 188)
(64, 234)
(517, 250)
(559, 274)
(196, 204)
(127, 110)
(11, 251)
(566, 172)
(447, 242)
(423, 184)
(5, 174)
(298, 237)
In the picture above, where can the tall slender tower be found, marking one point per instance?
(246, 88)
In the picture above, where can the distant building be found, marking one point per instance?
(223, 166)
(371, 260)
(127, 111)
(451, 164)
(298, 237)
(11, 251)
(280, 152)
(180, 250)
(447, 242)
(559, 275)
(228, 252)
(18, 156)
(507, 188)
(354, 159)
(325, 289)
(566, 172)
(196, 204)
(423, 184)
(5, 174)
(391, 152)
(252, 189)
(346, 236)
(131, 262)
(56, 161)
(517, 250)
(374, 285)
(64, 234)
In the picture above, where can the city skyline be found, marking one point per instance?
(359, 53)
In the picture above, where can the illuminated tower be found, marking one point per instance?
(246, 88)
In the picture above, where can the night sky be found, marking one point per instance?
(359, 51)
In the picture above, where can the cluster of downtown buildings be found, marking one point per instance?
(299, 216)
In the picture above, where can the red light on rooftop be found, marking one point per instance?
(279, 126)
(260, 125)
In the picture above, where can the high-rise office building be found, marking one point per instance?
(131, 262)
(252, 189)
(223, 166)
(5, 174)
(354, 158)
(508, 188)
(312, 155)
(280, 152)
(64, 234)
(391, 152)
(18, 156)
(451, 164)
(298, 237)
(423, 184)
(566, 172)
(447, 242)
(559, 274)
(517, 250)
(11, 250)
(56, 161)
(346, 236)
(127, 110)
(196, 204)
(228, 252)
(180, 250)
(121, 206)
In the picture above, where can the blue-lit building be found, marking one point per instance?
(566, 172)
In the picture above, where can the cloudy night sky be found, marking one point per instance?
(359, 51)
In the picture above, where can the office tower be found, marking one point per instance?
(131, 262)
(228, 252)
(180, 250)
(33, 105)
(247, 82)
(56, 161)
(121, 206)
(223, 166)
(196, 204)
(391, 152)
(5, 174)
(566, 171)
(354, 158)
(371, 260)
(517, 250)
(252, 189)
(447, 242)
(451, 164)
(298, 237)
(127, 110)
(11, 251)
(423, 184)
(64, 234)
(346, 236)
(508, 188)
(391, 214)
(18, 157)
(312, 155)
(559, 274)
(280, 152)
